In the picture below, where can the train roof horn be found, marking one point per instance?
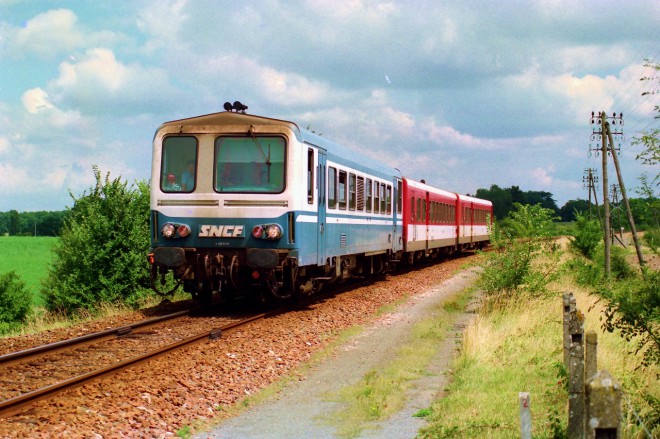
(237, 106)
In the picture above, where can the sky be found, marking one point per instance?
(464, 94)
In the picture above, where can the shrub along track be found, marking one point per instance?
(194, 384)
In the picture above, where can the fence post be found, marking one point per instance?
(576, 376)
(568, 306)
(591, 355)
(603, 404)
(525, 415)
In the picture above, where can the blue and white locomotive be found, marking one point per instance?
(247, 203)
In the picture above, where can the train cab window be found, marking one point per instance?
(368, 191)
(341, 190)
(179, 163)
(388, 198)
(332, 187)
(360, 193)
(250, 164)
(310, 176)
(376, 197)
(352, 196)
(412, 209)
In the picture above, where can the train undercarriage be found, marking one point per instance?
(264, 274)
(268, 274)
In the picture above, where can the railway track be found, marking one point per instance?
(36, 374)
(39, 373)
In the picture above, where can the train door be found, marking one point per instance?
(427, 228)
(397, 212)
(321, 172)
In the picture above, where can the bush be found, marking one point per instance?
(652, 240)
(100, 257)
(587, 236)
(519, 244)
(15, 302)
(634, 308)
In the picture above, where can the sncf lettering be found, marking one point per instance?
(229, 231)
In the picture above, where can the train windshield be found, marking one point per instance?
(250, 164)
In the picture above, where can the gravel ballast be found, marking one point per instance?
(297, 410)
(183, 391)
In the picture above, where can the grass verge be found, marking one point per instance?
(383, 390)
(518, 347)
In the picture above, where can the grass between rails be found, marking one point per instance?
(29, 257)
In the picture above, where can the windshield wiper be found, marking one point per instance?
(261, 150)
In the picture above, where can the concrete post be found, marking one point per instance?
(591, 356)
(576, 376)
(525, 415)
(603, 404)
(568, 306)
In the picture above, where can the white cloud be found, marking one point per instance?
(36, 100)
(99, 70)
(49, 33)
(543, 177)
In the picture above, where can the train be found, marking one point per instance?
(246, 204)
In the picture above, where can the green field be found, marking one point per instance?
(29, 257)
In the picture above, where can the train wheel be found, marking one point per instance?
(275, 287)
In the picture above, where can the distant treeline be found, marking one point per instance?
(645, 211)
(42, 223)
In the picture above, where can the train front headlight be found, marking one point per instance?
(183, 230)
(273, 231)
(168, 230)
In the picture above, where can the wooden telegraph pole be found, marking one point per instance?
(601, 120)
(622, 187)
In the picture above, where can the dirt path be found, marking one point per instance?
(295, 411)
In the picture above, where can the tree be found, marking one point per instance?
(572, 208)
(14, 227)
(101, 254)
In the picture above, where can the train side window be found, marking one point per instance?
(419, 209)
(368, 194)
(310, 176)
(179, 163)
(332, 187)
(412, 209)
(360, 193)
(376, 197)
(383, 201)
(341, 190)
(352, 198)
(389, 199)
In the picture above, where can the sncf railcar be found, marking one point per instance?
(242, 202)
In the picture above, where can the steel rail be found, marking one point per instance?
(24, 355)
(13, 405)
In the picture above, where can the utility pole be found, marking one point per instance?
(615, 159)
(601, 120)
(589, 181)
